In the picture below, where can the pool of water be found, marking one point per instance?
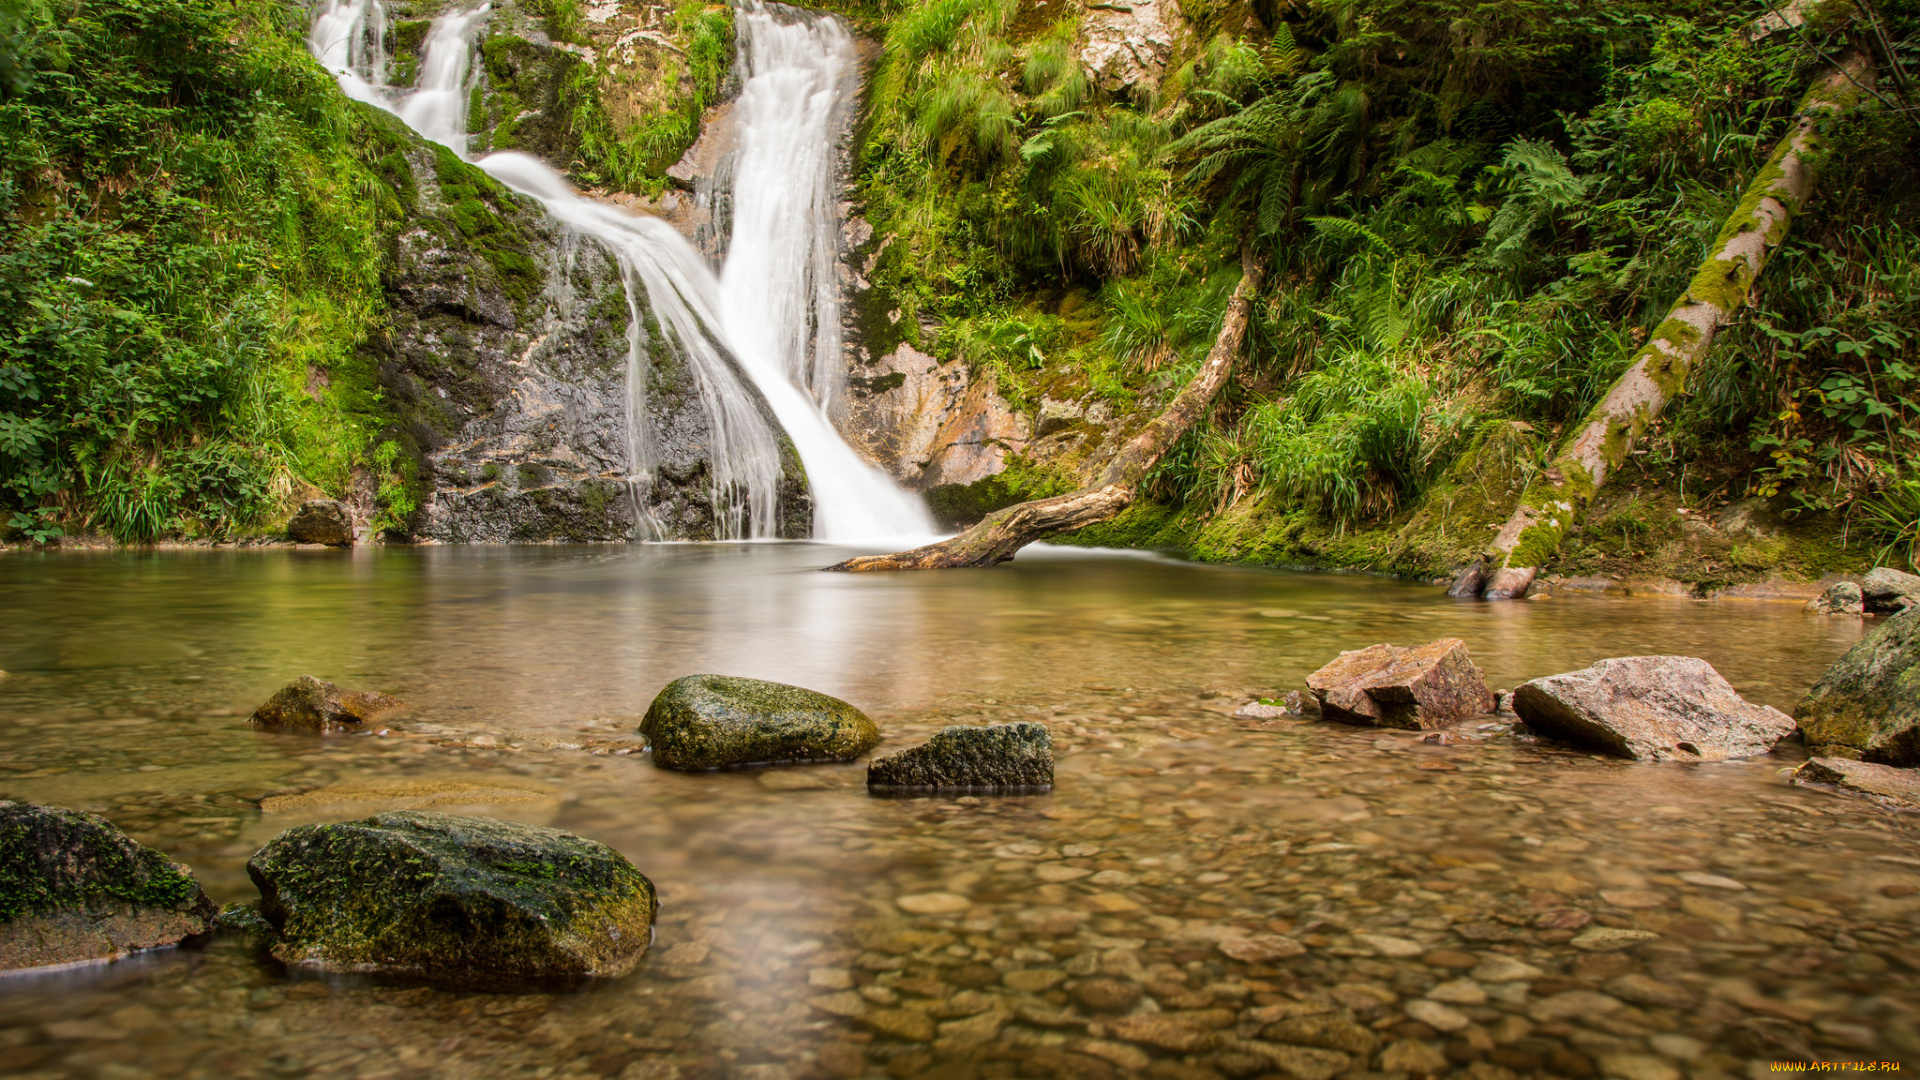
(1125, 924)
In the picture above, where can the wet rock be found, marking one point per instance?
(1107, 995)
(1768, 1039)
(705, 722)
(1302, 1062)
(456, 901)
(1884, 783)
(995, 758)
(1329, 1031)
(315, 705)
(1437, 1016)
(321, 521)
(1844, 598)
(1164, 1030)
(1643, 990)
(1867, 705)
(1886, 590)
(1650, 708)
(1413, 1056)
(1610, 939)
(1420, 687)
(1261, 948)
(74, 888)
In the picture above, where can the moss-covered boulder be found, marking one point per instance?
(719, 721)
(997, 758)
(461, 902)
(1867, 705)
(73, 888)
(316, 706)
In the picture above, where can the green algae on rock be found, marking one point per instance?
(703, 722)
(997, 757)
(1867, 705)
(315, 705)
(74, 888)
(463, 902)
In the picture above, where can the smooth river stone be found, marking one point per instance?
(1650, 708)
(74, 888)
(463, 902)
(704, 722)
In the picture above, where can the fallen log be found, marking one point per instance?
(1554, 500)
(1002, 533)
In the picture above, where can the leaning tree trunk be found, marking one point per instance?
(1002, 533)
(1554, 500)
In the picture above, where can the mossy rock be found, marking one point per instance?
(1000, 757)
(318, 707)
(74, 888)
(705, 722)
(462, 902)
(1867, 705)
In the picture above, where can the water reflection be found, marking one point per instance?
(795, 940)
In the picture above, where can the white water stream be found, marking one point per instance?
(774, 308)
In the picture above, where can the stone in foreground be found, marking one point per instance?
(1426, 686)
(1883, 783)
(1650, 708)
(997, 758)
(317, 706)
(321, 521)
(1843, 598)
(74, 889)
(705, 722)
(463, 902)
(1867, 705)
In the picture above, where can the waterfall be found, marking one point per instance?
(780, 287)
(772, 313)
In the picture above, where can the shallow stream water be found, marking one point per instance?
(1129, 923)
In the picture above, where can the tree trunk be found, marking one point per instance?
(1554, 500)
(1002, 533)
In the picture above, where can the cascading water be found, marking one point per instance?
(779, 289)
(775, 308)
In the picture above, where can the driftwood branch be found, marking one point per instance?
(1002, 533)
(1554, 500)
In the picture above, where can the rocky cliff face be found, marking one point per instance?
(506, 359)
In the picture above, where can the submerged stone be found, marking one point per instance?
(1424, 686)
(456, 901)
(74, 888)
(318, 706)
(321, 521)
(1867, 705)
(1884, 783)
(999, 757)
(1650, 708)
(705, 722)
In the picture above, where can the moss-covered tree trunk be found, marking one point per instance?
(1555, 499)
(1002, 533)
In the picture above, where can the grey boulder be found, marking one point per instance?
(321, 521)
(1844, 598)
(1650, 708)
(316, 706)
(705, 722)
(999, 757)
(74, 888)
(1867, 705)
(1887, 590)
